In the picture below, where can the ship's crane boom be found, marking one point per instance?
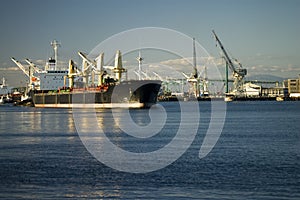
(91, 64)
(96, 65)
(35, 68)
(159, 77)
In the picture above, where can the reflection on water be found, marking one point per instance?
(257, 156)
(34, 120)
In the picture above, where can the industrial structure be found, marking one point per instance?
(293, 86)
(238, 73)
(199, 83)
(93, 74)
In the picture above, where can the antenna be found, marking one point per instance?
(3, 82)
(194, 59)
(55, 44)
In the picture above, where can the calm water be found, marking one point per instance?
(256, 157)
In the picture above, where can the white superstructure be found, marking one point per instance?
(3, 88)
(52, 79)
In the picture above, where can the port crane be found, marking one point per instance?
(199, 83)
(33, 80)
(27, 73)
(238, 72)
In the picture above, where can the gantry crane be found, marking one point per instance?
(238, 73)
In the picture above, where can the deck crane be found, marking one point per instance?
(94, 66)
(238, 72)
(34, 67)
(87, 66)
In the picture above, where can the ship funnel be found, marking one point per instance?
(118, 70)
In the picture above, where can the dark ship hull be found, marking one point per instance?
(127, 94)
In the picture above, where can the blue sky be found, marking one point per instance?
(262, 34)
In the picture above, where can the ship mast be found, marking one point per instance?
(195, 75)
(55, 44)
(140, 59)
(194, 60)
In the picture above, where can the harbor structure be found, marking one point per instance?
(293, 86)
(238, 73)
(198, 83)
(75, 79)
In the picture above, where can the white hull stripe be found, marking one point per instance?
(95, 105)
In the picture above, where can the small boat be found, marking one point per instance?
(1, 99)
(229, 97)
(280, 98)
(5, 99)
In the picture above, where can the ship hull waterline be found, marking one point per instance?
(128, 94)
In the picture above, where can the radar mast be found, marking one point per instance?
(55, 44)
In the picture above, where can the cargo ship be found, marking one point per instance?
(74, 88)
(126, 94)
